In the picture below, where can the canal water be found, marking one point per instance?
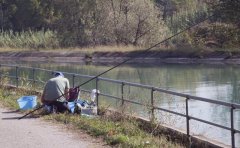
(217, 82)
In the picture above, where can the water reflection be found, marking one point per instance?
(219, 82)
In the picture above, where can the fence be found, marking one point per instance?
(17, 73)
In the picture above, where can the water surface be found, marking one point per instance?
(218, 82)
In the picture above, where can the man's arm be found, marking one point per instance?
(66, 93)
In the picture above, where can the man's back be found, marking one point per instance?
(56, 87)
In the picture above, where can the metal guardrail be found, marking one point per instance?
(152, 89)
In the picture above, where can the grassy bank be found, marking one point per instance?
(115, 130)
(30, 40)
(214, 37)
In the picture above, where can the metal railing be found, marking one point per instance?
(123, 100)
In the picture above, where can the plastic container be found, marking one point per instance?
(27, 102)
(83, 103)
(89, 111)
(71, 106)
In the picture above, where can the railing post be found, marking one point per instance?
(73, 80)
(152, 105)
(232, 127)
(187, 116)
(0, 74)
(122, 93)
(16, 74)
(33, 77)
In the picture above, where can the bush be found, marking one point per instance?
(29, 39)
(218, 35)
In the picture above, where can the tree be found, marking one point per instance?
(7, 9)
(133, 22)
(169, 7)
(93, 22)
(229, 11)
(49, 13)
(21, 15)
(76, 21)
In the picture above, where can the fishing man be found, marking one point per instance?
(55, 93)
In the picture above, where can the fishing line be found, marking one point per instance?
(131, 58)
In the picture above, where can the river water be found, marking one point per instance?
(218, 82)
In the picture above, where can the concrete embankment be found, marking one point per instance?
(214, 57)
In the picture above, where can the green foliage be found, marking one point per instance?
(8, 97)
(218, 35)
(187, 13)
(110, 22)
(87, 22)
(214, 33)
(19, 15)
(105, 22)
(77, 21)
(29, 39)
(118, 139)
(228, 11)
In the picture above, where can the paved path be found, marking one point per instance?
(36, 133)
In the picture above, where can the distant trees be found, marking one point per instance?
(223, 29)
(229, 11)
(21, 14)
(134, 22)
(76, 24)
(87, 22)
(107, 22)
(94, 22)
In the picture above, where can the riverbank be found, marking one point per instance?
(116, 131)
(163, 56)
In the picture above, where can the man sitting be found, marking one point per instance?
(55, 93)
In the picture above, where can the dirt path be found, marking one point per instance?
(37, 133)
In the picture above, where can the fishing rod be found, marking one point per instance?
(131, 58)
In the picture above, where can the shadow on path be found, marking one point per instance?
(17, 118)
(14, 111)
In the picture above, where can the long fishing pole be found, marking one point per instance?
(131, 58)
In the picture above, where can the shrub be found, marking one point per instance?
(29, 39)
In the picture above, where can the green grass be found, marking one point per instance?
(9, 96)
(123, 133)
(115, 130)
(29, 39)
